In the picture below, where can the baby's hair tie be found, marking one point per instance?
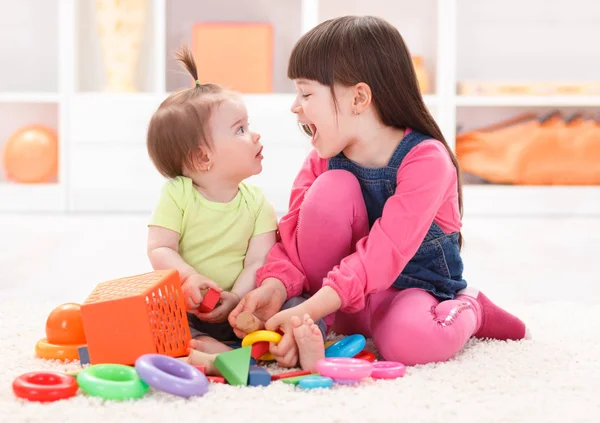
(197, 82)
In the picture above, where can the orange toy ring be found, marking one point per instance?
(44, 349)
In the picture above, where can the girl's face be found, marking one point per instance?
(332, 129)
(236, 153)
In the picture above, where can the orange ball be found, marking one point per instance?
(31, 155)
(65, 325)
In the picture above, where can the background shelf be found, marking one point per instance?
(53, 73)
(182, 15)
(29, 61)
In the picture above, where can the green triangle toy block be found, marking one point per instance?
(234, 365)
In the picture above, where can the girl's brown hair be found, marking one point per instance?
(180, 125)
(354, 49)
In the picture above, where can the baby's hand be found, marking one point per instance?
(192, 291)
(221, 312)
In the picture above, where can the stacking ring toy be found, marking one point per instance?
(365, 355)
(344, 368)
(388, 370)
(346, 347)
(112, 381)
(262, 336)
(45, 386)
(171, 375)
(312, 382)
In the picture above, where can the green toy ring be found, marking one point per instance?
(112, 381)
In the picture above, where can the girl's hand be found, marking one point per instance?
(263, 302)
(192, 291)
(286, 351)
(226, 304)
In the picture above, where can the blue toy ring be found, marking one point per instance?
(312, 382)
(171, 375)
(346, 347)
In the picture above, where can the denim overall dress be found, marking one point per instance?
(437, 265)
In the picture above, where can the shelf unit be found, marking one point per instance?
(103, 161)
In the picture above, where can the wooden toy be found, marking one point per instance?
(313, 382)
(199, 358)
(259, 349)
(234, 365)
(209, 301)
(64, 334)
(126, 318)
(248, 323)
(258, 376)
(221, 46)
(216, 379)
(84, 357)
(287, 375)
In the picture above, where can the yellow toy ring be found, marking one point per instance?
(262, 336)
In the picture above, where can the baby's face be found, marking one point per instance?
(236, 151)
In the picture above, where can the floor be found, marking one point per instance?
(514, 260)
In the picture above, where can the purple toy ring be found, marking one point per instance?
(171, 375)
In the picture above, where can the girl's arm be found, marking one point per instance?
(426, 179)
(259, 247)
(283, 262)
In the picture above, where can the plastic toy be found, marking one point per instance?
(295, 380)
(31, 155)
(388, 370)
(344, 368)
(346, 347)
(112, 381)
(171, 375)
(234, 365)
(44, 386)
(262, 336)
(209, 301)
(129, 317)
(216, 379)
(64, 334)
(365, 355)
(258, 376)
(312, 382)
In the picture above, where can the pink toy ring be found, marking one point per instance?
(388, 370)
(344, 368)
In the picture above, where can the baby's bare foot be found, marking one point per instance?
(310, 342)
(208, 345)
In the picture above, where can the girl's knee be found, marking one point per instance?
(332, 192)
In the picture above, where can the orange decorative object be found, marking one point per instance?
(128, 317)
(238, 56)
(31, 155)
(422, 75)
(64, 334)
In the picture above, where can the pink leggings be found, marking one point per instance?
(411, 325)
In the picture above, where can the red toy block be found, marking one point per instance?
(259, 349)
(201, 368)
(209, 301)
(290, 374)
(215, 379)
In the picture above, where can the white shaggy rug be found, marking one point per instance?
(553, 378)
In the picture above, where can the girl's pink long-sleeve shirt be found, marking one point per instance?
(426, 192)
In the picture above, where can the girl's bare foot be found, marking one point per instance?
(310, 342)
(208, 345)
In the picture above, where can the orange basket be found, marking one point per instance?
(126, 318)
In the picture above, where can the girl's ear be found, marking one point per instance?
(362, 98)
(201, 159)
